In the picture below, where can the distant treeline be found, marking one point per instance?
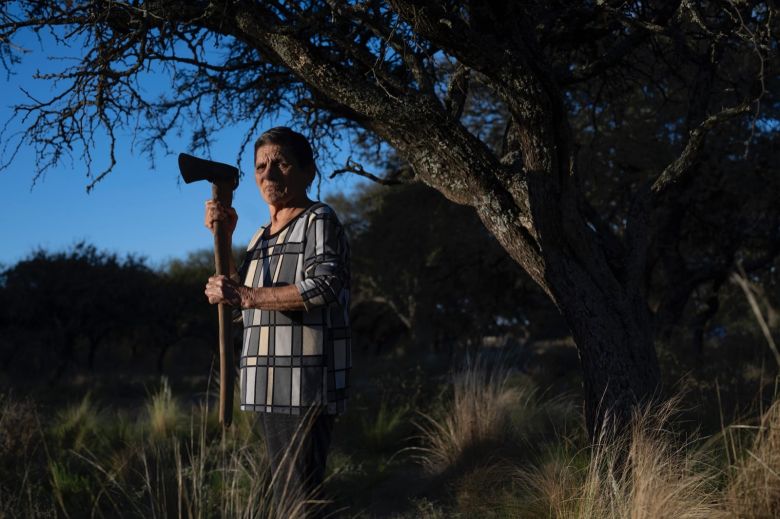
(90, 309)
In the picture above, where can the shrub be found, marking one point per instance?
(381, 432)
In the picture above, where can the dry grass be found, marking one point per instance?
(754, 487)
(480, 413)
(649, 473)
(206, 476)
(96, 464)
(664, 478)
(163, 411)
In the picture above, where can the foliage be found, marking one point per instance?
(381, 432)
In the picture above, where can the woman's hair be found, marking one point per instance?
(292, 140)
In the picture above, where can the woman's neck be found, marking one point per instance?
(280, 216)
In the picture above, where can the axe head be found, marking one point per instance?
(194, 169)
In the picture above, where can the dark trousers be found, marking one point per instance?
(297, 448)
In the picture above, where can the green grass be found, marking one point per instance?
(93, 462)
(380, 431)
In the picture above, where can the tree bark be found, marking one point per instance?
(615, 344)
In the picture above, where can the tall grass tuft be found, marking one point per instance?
(754, 486)
(76, 423)
(480, 413)
(662, 477)
(163, 411)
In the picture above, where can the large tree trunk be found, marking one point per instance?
(615, 344)
(534, 212)
(609, 321)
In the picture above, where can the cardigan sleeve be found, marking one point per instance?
(325, 261)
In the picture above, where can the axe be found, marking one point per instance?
(224, 179)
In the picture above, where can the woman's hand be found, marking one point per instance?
(222, 289)
(217, 212)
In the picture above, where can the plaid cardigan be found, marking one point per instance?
(293, 360)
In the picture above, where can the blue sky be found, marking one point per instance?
(136, 209)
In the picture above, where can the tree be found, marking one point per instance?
(416, 76)
(61, 303)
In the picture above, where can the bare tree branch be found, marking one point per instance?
(457, 91)
(682, 165)
(353, 167)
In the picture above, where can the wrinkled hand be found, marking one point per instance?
(217, 212)
(222, 289)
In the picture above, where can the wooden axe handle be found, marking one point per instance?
(223, 192)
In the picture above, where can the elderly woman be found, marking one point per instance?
(293, 290)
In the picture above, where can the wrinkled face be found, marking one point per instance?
(279, 177)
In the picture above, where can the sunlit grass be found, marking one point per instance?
(660, 476)
(480, 412)
(98, 465)
(163, 411)
(754, 487)
(76, 423)
(651, 472)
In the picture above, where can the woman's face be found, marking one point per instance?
(279, 177)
